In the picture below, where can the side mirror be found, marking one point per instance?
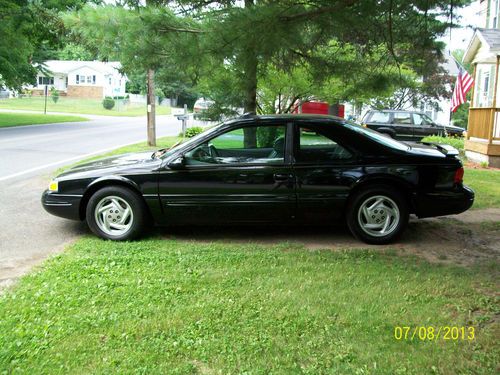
(178, 163)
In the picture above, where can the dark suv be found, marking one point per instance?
(407, 125)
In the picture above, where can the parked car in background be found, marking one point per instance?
(276, 169)
(407, 125)
(200, 106)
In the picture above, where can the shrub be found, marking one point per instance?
(108, 103)
(456, 142)
(195, 130)
(54, 94)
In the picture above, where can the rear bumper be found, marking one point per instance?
(441, 203)
(66, 206)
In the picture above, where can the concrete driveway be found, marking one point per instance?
(28, 155)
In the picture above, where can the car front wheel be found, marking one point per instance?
(116, 213)
(377, 215)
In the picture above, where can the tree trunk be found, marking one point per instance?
(151, 101)
(250, 64)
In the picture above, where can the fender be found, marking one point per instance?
(113, 178)
(408, 183)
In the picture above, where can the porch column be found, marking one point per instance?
(494, 109)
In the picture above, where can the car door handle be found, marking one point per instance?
(282, 177)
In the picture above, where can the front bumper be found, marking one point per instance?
(62, 205)
(440, 203)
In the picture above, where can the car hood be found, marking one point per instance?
(114, 164)
(455, 128)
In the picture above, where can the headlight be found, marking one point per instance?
(53, 186)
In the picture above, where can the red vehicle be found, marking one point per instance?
(320, 108)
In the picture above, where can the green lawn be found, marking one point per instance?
(79, 105)
(486, 184)
(160, 306)
(8, 119)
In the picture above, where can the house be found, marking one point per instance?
(483, 134)
(84, 79)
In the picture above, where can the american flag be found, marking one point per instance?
(462, 86)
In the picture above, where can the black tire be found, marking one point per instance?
(369, 195)
(138, 217)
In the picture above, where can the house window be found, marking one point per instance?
(45, 80)
(82, 79)
(89, 79)
(110, 80)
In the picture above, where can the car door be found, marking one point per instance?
(423, 127)
(324, 169)
(402, 125)
(240, 176)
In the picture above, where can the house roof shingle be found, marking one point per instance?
(489, 38)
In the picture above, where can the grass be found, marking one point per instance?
(486, 184)
(80, 105)
(8, 119)
(162, 306)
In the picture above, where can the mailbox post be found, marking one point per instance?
(183, 117)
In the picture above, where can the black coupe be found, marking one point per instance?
(279, 169)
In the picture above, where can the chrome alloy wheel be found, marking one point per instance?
(378, 216)
(113, 215)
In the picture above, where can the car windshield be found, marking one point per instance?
(184, 142)
(377, 137)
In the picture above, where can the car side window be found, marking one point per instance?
(418, 119)
(379, 117)
(263, 144)
(319, 148)
(402, 118)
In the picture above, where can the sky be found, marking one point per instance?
(470, 18)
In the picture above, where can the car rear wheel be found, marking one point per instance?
(377, 215)
(116, 213)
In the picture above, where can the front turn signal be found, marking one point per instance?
(53, 186)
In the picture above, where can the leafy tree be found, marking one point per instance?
(30, 32)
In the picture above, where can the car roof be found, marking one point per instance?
(395, 110)
(294, 117)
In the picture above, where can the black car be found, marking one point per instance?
(277, 169)
(407, 125)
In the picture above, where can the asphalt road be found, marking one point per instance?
(29, 150)
(28, 156)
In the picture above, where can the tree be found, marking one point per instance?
(152, 35)
(30, 33)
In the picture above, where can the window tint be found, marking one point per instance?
(254, 145)
(381, 117)
(402, 118)
(377, 137)
(316, 147)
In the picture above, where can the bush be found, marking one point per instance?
(108, 103)
(54, 94)
(195, 130)
(458, 143)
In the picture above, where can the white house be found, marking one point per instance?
(89, 79)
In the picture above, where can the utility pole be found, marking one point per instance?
(151, 102)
